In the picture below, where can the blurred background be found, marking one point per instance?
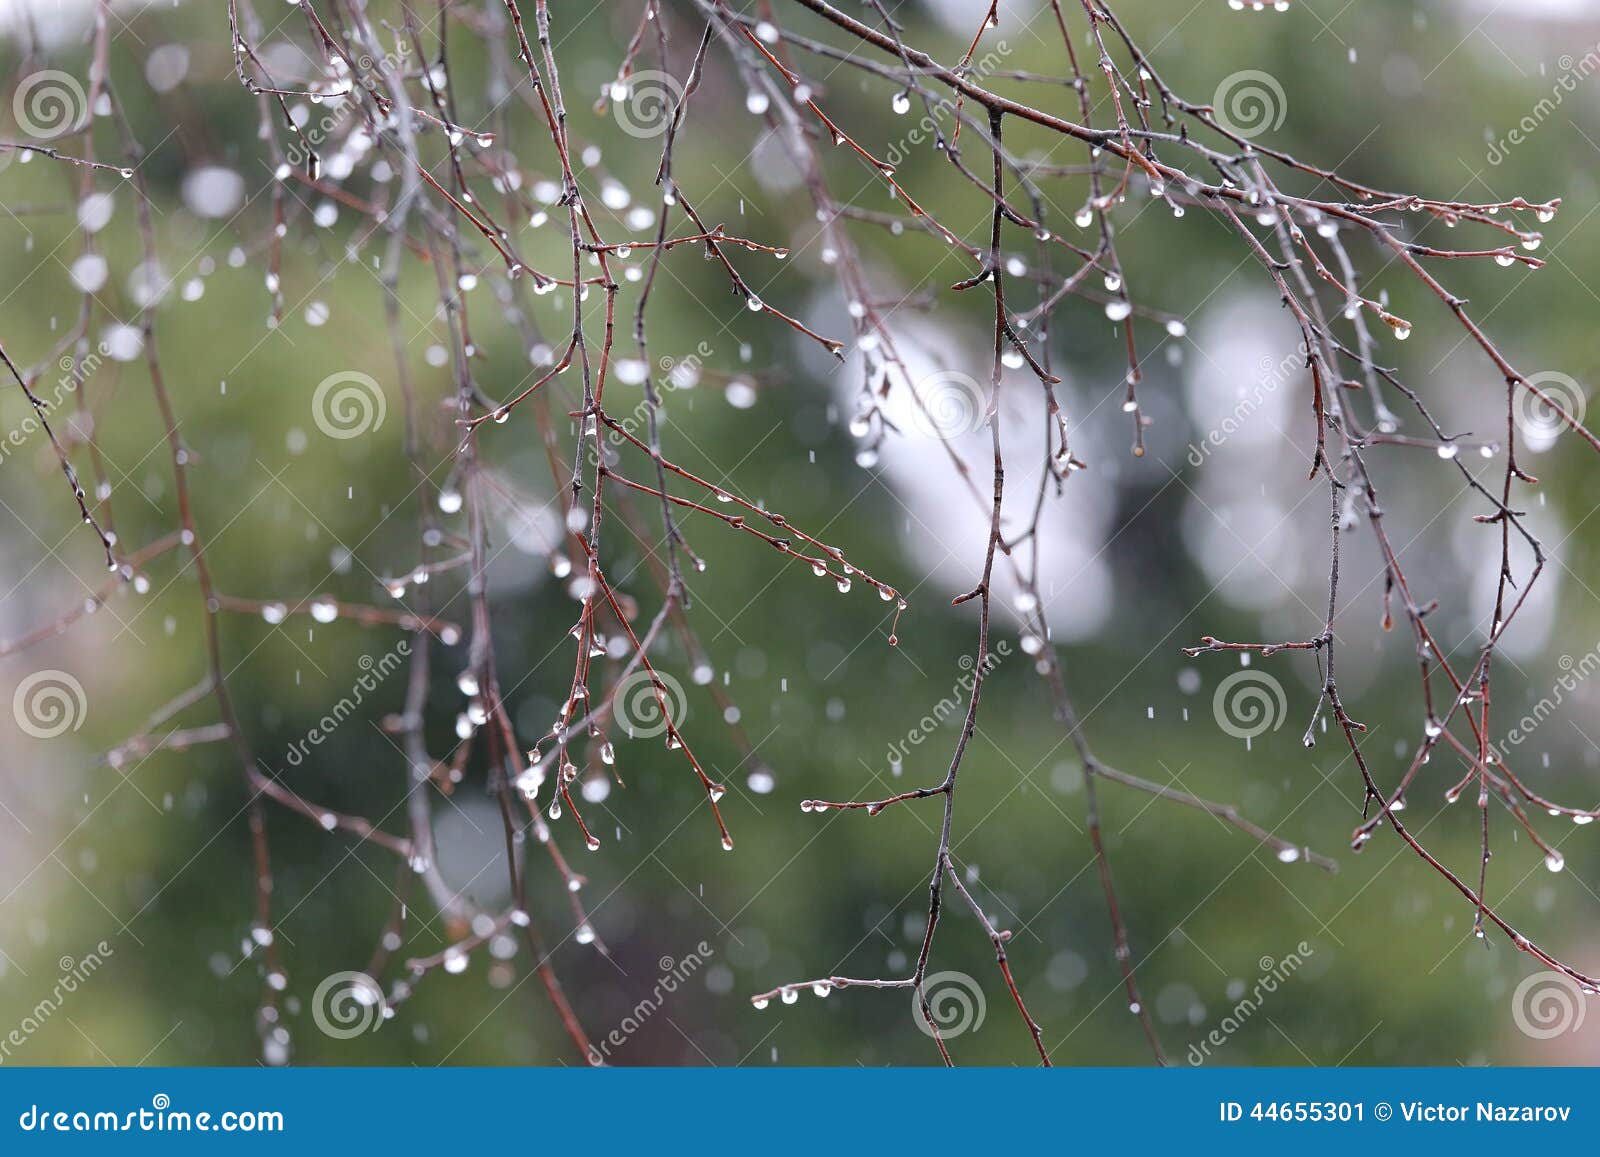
(143, 863)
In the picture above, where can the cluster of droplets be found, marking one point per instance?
(475, 714)
(790, 993)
